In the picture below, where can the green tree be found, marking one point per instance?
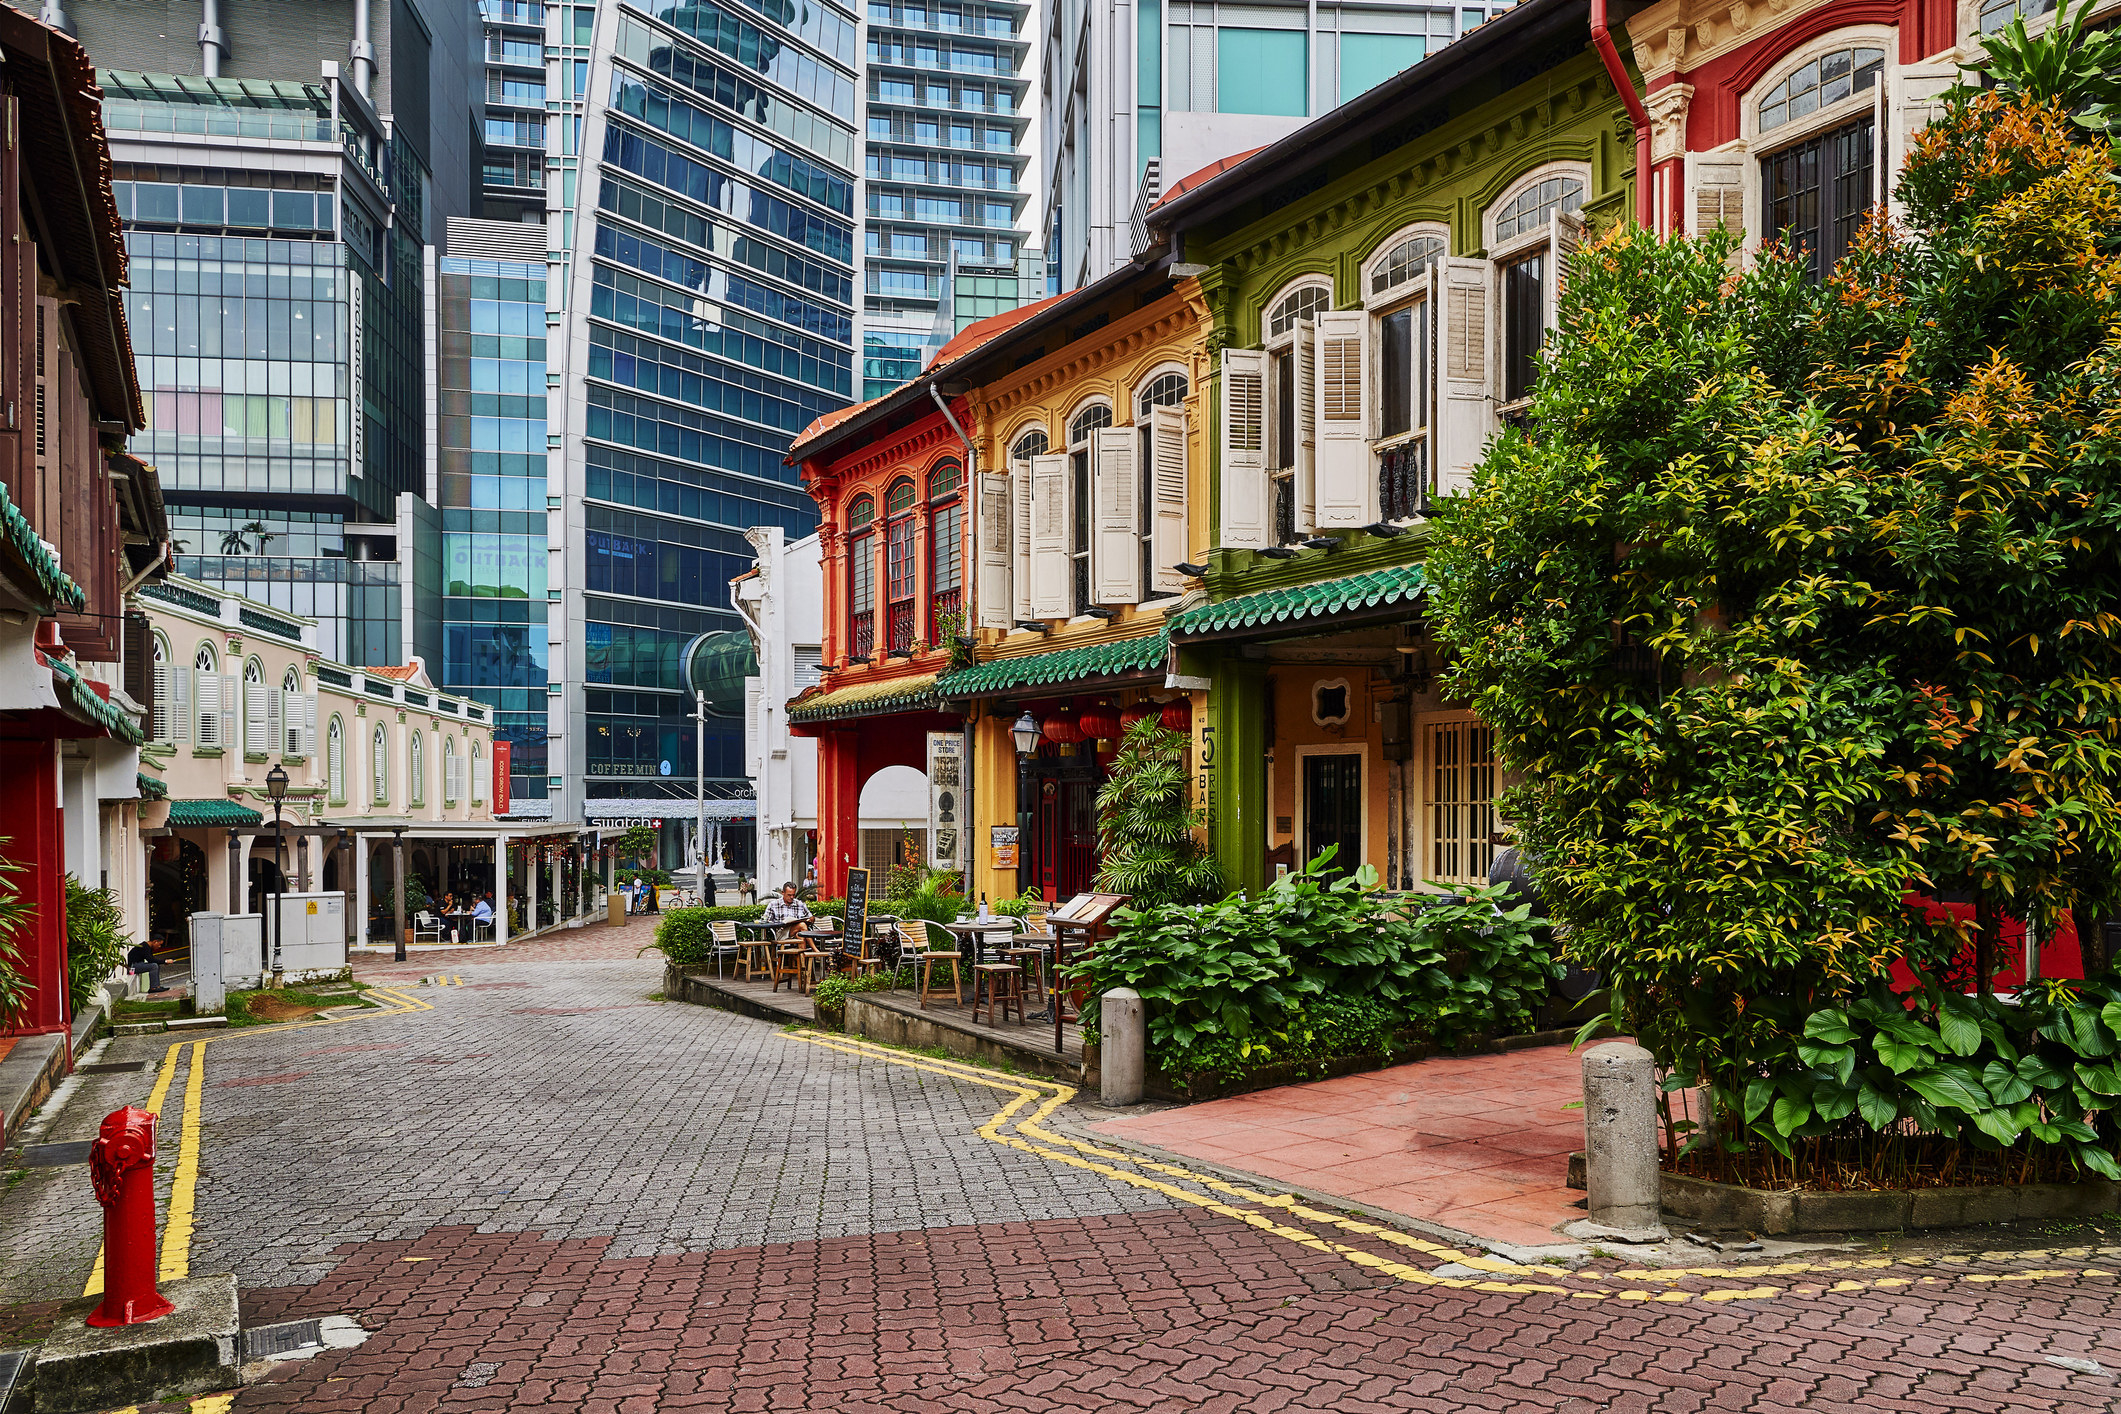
(1146, 843)
(641, 843)
(1792, 601)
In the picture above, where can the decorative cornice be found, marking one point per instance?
(1674, 36)
(912, 444)
(1160, 329)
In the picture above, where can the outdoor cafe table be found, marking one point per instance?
(971, 934)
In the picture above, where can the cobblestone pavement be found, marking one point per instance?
(550, 1192)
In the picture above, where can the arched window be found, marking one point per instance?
(1820, 83)
(1031, 444)
(900, 534)
(1293, 308)
(335, 760)
(212, 724)
(452, 787)
(1405, 261)
(416, 768)
(1165, 390)
(1537, 204)
(165, 724)
(379, 766)
(946, 542)
(291, 680)
(1089, 420)
(292, 724)
(861, 578)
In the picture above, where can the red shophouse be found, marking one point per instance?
(890, 484)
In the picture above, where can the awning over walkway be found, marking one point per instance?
(1062, 667)
(867, 699)
(598, 811)
(210, 811)
(1377, 594)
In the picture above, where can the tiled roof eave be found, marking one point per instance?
(1105, 662)
(1385, 593)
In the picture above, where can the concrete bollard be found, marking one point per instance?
(1620, 1142)
(1123, 1049)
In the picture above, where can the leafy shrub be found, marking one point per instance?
(1235, 972)
(830, 998)
(684, 938)
(16, 913)
(96, 942)
(1326, 1028)
(1017, 907)
(1146, 843)
(935, 898)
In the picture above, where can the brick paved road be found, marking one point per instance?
(551, 1193)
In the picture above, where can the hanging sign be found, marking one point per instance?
(946, 800)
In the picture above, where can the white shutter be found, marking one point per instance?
(1247, 497)
(1465, 411)
(1052, 518)
(1914, 101)
(996, 553)
(232, 713)
(163, 729)
(257, 730)
(276, 721)
(1716, 192)
(209, 713)
(1567, 234)
(180, 714)
(1115, 518)
(1020, 538)
(1303, 368)
(309, 725)
(336, 782)
(1167, 496)
(1347, 492)
(479, 768)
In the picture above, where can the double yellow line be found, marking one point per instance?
(179, 1221)
(1265, 1211)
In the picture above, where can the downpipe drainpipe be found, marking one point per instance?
(967, 829)
(1602, 41)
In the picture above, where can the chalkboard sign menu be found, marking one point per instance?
(857, 906)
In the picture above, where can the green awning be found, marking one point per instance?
(1297, 603)
(1063, 667)
(189, 814)
(16, 530)
(82, 702)
(150, 788)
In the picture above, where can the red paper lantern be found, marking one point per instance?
(1130, 715)
(1060, 727)
(1177, 716)
(1098, 721)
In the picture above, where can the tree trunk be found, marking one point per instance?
(1988, 920)
(2091, 939)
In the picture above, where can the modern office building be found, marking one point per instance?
(1134, 97)
(946, 122)
(702, 313)
(280, 168)
(512, 164)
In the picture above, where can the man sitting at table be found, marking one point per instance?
(481, 912)
(787, 912)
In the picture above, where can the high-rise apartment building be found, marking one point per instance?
(702, 312)
(512, 165)
(280, 166)
(946, 122)
(1136, 96)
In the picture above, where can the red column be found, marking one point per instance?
(29, 806)
(838, 810)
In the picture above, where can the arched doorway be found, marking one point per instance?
(176, 889)
(892, 810)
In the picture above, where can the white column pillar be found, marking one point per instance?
(361, 845)
(243, 870)
(500, 888)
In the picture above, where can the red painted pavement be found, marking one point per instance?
(1478, 1143)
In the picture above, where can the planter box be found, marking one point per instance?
(1782, 1212)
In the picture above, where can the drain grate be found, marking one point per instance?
(15, 1367)
(270, 1342)
(111, 1068)
(52, 1156)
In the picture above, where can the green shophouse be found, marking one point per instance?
(1379, 284)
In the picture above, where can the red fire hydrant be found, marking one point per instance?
(121, 1163)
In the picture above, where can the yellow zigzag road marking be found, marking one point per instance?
(1053, 1094)
(184, 1185)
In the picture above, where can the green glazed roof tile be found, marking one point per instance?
(1297, 602)
(867, 699)
(1061, 666)
(187, 814)
(80, 700)
(152, 789)
(53, 580)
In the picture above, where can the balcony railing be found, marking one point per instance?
(899, 627)
(1284, 507)
(864, 635)
(1403, 480)
(947, 601)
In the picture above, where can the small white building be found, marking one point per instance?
(782, 600)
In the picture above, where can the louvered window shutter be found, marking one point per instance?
(1567, 235)
(1465, 412)
(1020, 538)
(478, 776)
(1347, 492)
(1916, 100)
(231, 712)
(1167, 495)
(276, 722)
(1052, 518)
(997, 597)
(180, 713)
(45, 429)
(1717, 188)
(1303, 357)
(165, 722)
(256, 732)
(1115, 518)
(209, 713)
(309, 725)
(1247, 498)
(338, 766)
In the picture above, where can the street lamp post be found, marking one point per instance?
(397, 893)
(276, 790)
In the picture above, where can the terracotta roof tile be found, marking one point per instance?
(1213, 169)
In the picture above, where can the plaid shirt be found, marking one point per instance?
(779, 913)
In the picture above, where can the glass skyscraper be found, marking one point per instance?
(945, 124)
(706, 315)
